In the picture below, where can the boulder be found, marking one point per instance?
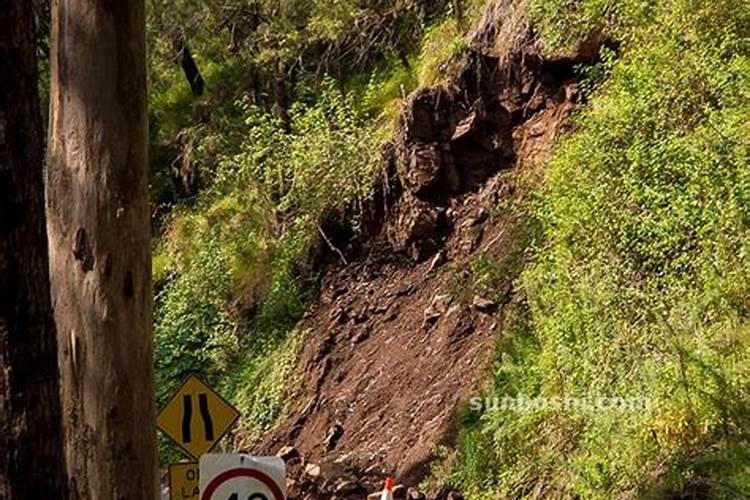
(437, 261)
(399, 492)
(415, 494)
(288, 453)
(483, 304)
(347, 487)
(436, 309)
(312, 470)
(332, 437)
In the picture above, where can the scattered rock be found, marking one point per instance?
(288, 453)
(312, 470)
(360, 318)
(399, 491)
(291, 488)
(381, 308)
(339, 315)
(391, 315)
(374, 470)
(482, 216)
(415, 494)
(436, 309)
(347, 487)
(478, 219)
(483, 304)
(362, 335)
(334, 434)
(325, 348)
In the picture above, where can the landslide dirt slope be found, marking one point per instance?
(394, 344)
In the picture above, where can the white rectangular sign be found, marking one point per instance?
(242, 477)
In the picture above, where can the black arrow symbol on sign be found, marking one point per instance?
(208, 424)
(187, 417)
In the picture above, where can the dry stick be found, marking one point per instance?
(493, 241)
(332, 246)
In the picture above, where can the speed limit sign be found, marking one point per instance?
(242, 477)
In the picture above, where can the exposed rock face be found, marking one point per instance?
(452, 138)
(448, 144)
(417, 228)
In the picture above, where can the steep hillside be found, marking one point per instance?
(459, 244)
(402, 334)
(632, 341)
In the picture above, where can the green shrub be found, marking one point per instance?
(444, 48)
(242, 244)
(260, 387)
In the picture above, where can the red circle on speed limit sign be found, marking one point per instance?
(243, 472)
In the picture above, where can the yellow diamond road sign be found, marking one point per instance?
(196, 417)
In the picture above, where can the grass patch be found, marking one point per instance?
(638, 286)
(261, 385)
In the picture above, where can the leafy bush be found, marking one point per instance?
(443, 50)
(639, 286)
(261, 385)
(242, 245)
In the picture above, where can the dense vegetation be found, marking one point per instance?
(637, 285)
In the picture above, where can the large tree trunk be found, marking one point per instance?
(31, 446)
(98, 223)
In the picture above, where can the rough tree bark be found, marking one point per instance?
(31, 446)
(98, 226)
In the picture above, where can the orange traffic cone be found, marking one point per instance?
(388, 490)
